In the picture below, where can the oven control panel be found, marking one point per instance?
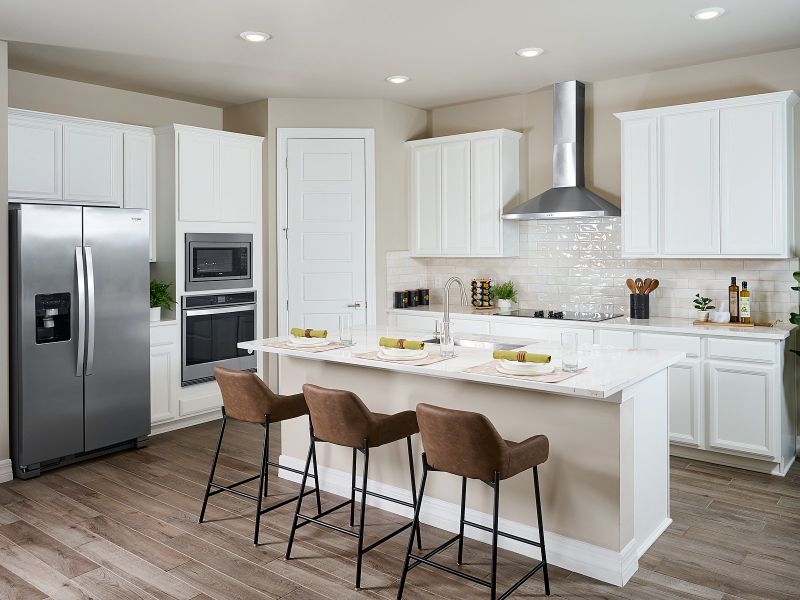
(209, 300)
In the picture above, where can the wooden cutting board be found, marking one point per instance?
(711, 324)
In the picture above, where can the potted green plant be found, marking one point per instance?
(159, 298)
(702, 305)
(794, 318)
(504, 293)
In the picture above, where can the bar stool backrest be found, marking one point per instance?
(244, 395)
(460, 442)
(338, 416)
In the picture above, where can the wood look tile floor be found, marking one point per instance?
(125, 526)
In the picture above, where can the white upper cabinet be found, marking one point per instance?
(459, 187)
(239, 170)
(92, 164)
(139, 177)
(712, 179)
(198, 176)
(34, 157)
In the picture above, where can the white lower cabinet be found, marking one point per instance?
(686, 406)
(164, 373)
(420, 322)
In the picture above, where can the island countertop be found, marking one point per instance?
(608, 371)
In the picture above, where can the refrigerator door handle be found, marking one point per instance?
(80, 274)
(90, 309)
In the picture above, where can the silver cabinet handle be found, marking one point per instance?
(356, 304)
(90, 305)
(80, 275)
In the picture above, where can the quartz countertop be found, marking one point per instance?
(781, 331)
(608, 371)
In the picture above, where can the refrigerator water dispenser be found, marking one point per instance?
(52, 318)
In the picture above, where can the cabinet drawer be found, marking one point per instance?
(469, 326)
(748, 351)
(691, 345)
(618, 339)
(163, 335)
(419, 322)
(540, 332)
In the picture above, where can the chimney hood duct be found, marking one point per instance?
(568, 197)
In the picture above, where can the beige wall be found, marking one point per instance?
(4, 417)
(77, 99)
(532, 113)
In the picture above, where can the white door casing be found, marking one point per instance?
(326, 227)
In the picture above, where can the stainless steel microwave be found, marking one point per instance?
(219, 261)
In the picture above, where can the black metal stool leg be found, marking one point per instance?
(316, 476)
(266, 465)
(353, 490)
(213, 466)
(361, 517)
(300, 499)
(262, 488)
(541, 529)
(461, 521)
(495, 519)
(416, 522)
(413, 489)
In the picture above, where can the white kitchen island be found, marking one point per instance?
(605, 487)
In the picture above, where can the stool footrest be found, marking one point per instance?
(285, 502)
(389, 498)
(317, 521)
(388, 536)
(510, 536)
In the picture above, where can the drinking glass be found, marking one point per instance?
(346, 329)
(569, 351)
(447, 347)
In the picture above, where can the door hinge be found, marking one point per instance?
(286, 163)
(287, 305)
(286, 232)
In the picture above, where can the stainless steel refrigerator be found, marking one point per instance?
(80, 358)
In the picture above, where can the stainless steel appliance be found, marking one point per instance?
(80, 338)
(213, 326)
(218, 261)
(566, 315)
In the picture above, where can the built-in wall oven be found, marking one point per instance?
(218, 261)
(213, 326)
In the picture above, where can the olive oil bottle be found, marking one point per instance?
(733, 300)
(744, 304)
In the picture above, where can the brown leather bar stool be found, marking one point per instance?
(340, 417)
(468, 445)
(245, 397)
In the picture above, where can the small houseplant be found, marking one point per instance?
(794, 318)
(159, 298)
(504, 294)
(702, 305)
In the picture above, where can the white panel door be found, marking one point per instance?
(34, 158)
(326, 258)
(690, 183)
(640, 186)
(686, 403)
(163, 371)
(455, 198)
(740, 407)
(426, 200)
(139, 178)
(238, 181)
(198, 176)
(485, 202)
(93, 164)
(752, 195)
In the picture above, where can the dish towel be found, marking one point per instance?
(387, 342)
(309, 333)
(521, 356)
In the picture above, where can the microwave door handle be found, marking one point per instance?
(80, 276)
(90, 309)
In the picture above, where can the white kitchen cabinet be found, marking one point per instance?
(615, 338)
(34, 157)
(711, 179)
(164, 372)
(93, 164)
(198, 176)
(139, 177)
(519, 329)
(239, 177)
(686, 406)
(459, 187)
(460, 326)
(415, 322)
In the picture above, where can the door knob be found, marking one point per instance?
(357, 304)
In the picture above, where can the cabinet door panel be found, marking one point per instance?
(685, 403)
(139, 178)
(163, 371)
(426, 200)
(752, 197)
(93, 164)
(455, 198)
(34, 158)
(418, 322)
(640, 186)
(740, 409)
(238, 181)
(198, 176)
(485, 199)
(689, 183)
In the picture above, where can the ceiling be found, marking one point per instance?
(454, 50)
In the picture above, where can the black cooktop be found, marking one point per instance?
(566, 315)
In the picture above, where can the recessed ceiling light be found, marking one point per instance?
(529, 52)
(706, 14)
(254, 36)
(398, 78)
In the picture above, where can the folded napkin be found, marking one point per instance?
(521, 356)
(401, 343)
(309, 333)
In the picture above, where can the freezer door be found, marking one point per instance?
(46, 362)
(117, 381)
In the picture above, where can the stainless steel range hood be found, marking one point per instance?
(568, 197)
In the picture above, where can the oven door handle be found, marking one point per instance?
(218, 311)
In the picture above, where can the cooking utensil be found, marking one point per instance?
(652, 287)
(646, 285)
(639, 285)
(631, 285)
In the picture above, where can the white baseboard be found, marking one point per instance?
(6, 472)
(593, 561)
(182, 422)
(728, 460)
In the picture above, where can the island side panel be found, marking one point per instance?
(581, 484)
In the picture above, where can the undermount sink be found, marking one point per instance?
(477, 344)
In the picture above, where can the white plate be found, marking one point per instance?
(504, 371)
(407, 354)
(400, 351)
(307, 342)
(527, 368)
